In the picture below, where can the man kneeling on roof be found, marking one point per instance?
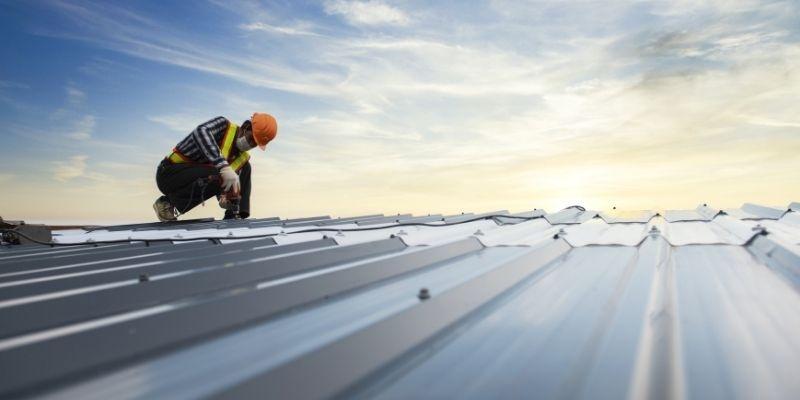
(212, 161)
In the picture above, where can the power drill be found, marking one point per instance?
(229, 200)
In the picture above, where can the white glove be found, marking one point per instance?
(230, 180)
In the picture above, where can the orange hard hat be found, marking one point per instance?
(265, 127)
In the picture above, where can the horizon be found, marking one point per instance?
(404, 106)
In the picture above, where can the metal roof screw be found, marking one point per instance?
(339, 233)
(401, 233)
(478, 233)
(178, 236)
(654, 230)
(562, 232)
(424, 294)
(282, 233)
(230, 233)
(614, 208)
(144, 278)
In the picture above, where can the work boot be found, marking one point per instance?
(164, 210)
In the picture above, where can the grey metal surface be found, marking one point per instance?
(701, 213)
(570, 216)
(695, 304)
(754, 211)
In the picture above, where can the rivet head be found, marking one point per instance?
(144, 278)
(424, 294)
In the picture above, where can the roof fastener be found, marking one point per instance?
(144, 278)
(424, 294)
(478, 233)
(401, 232)
(282, 233)
(178, 236)
(760, 229)
(339, 233)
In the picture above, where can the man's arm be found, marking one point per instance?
(205, 135)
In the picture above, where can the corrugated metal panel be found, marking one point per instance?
(701, 213)
(564, 305)
(616, 217)
(570, 216)
(754, 211)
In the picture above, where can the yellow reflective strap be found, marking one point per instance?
(228, 139)
(177, 158)
(239, 162)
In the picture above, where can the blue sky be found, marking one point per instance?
(405, 106)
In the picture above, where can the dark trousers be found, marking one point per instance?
(187, 185)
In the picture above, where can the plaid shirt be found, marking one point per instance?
(202, 146)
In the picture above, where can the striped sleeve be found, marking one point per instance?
(207, 135)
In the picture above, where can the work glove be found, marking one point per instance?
(230, 180)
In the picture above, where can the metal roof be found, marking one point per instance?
(571, 304)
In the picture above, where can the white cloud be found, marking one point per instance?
(83, 128)
(371, 12)
(72, 168)
(285, 30)
(75, 96)
(181, 122)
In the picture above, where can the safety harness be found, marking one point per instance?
(225, 146)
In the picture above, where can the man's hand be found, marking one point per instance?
(230, 180)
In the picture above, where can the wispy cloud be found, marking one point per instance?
(369, 12)
(83, 128)
(182, 122)
(75, 96)
(284, 30)
(72, 168)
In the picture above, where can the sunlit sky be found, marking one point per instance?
(404, 106)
